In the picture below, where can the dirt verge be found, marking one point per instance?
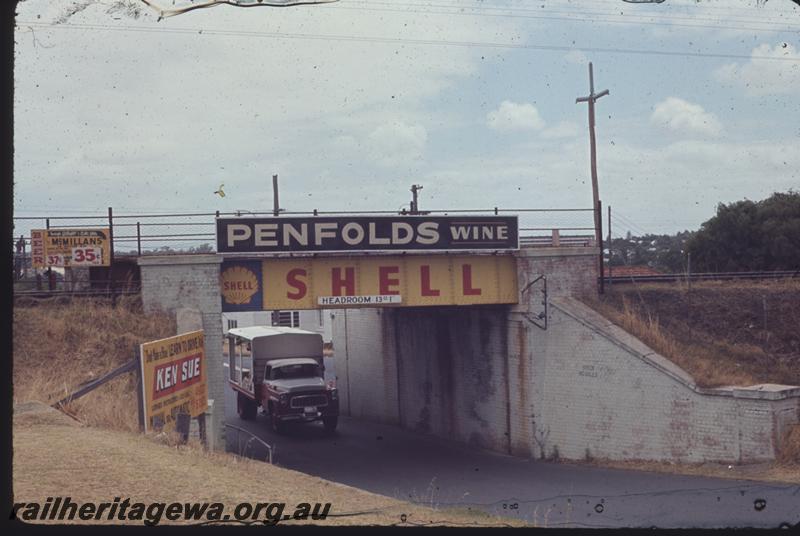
(55, 456)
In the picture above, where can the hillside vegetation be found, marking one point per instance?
(58, 346)
(100, 454)
(722, 333)
(750, 235)
(54, 456)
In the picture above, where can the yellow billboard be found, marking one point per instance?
(174, 378)
(66, 248)
(410, 280)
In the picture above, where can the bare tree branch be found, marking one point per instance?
(164, 13)
(76, 8)
(36, 41)
(133, 8)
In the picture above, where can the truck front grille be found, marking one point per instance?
(302, 401)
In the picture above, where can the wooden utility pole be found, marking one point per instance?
(110, 239)
(275, 203)
(591, 99)
(415, 188)
(50, 283)
(609, 244)
(600, 244)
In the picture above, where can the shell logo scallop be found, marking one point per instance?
(239, 285)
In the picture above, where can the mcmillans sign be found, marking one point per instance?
(366, 233)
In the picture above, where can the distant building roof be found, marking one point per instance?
(625, 271)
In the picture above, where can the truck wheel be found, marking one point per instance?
(276, 423)
(246, 408)
(330, 423)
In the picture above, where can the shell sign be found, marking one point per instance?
(370, 281)
(240, 283)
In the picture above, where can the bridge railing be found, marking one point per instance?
(165, 233)
(702, 276)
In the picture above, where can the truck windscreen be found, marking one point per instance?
(288, 372)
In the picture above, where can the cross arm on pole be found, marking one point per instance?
(590, 100)
(592, 95)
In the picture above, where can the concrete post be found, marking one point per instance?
(188, 286)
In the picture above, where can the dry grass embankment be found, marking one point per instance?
(721, 333)
(55, 456)
(59, 346)
(762, 472)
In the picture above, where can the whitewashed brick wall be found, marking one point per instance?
(601, 392)
(569, 272)
(174, 282)
(452, 380)
(489, 377)
(366, 367)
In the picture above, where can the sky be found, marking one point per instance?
(353, 102)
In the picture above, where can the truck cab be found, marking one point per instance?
(282, 371)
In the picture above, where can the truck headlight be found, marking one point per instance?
(284, 399)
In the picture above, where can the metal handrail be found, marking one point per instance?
(315, 212)
(269, 447)
(168, 230)
(97, 293)
(702, 276)
(558, 228)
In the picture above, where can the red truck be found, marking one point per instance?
(282, 371)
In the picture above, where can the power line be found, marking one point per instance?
(629, 19)
(618, 218)
(627, 222)
(576, 19)
(793, 10)
(402, 41)
(622, 219)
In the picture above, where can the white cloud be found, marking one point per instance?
(576, 56)
(394, 143)
(663, 188)
(682, 182)
(156, 119)
(564, 129)
(683, 116)
(185, 103)
(515, 116)
(765, 77)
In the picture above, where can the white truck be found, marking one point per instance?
(281, 370)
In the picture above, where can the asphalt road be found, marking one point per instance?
(423, 469)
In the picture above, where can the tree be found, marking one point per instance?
(204, 248)
(662, 252)
(750, 236)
